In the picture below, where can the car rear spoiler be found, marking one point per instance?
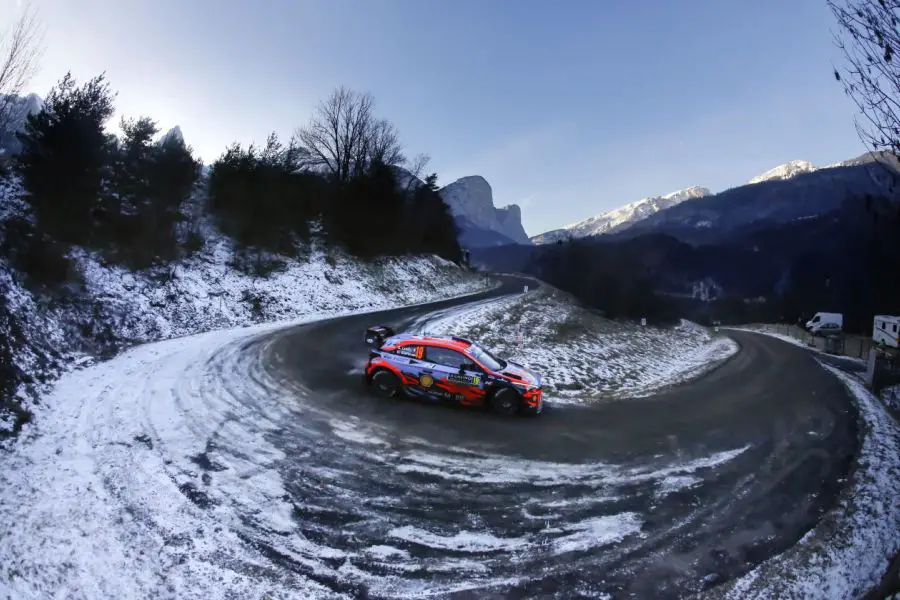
(376, 335)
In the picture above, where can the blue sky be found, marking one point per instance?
(566, 108)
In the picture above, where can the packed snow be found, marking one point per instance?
(581, 356)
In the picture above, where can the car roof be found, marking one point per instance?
(453, 343)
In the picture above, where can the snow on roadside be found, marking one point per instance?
(206, 292)
(100, 502)
(580, 355)
(850, 548)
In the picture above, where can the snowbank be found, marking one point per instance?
(580, 355)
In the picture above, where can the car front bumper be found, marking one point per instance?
(533, 401)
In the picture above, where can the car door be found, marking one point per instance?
(456, 374)
(416, 369)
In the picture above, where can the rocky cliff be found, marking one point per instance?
(471, 201)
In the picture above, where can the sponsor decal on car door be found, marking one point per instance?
(460, 384)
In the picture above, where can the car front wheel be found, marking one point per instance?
(506, 402)
(385, 384)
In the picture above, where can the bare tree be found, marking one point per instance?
(869, 38)
(20, 51)
(344, 138)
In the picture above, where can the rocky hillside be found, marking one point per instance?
(622, 217)
(471, 202)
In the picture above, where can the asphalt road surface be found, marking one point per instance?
(656, 497)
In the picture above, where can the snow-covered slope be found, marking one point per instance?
(574, 349)
(622, 217)
(471, 202)
(785, 171)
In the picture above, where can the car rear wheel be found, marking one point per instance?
(506, 402)
(385, 384)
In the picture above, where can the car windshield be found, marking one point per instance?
(486, 358)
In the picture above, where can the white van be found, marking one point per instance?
(825, 322)
(886, 330)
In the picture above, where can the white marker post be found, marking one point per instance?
(525, 291)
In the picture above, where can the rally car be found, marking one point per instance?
(448, 368)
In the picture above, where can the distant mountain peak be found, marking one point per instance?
(622, 217)
(172, 134)
(785, 171)
(695, 191)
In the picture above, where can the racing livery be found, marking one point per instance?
(449, 369)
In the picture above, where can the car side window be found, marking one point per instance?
(445, 356)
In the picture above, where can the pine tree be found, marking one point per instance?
(64, 154)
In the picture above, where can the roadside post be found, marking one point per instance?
(870, 367)
(525, 290)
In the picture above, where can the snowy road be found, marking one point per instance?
(250, 464)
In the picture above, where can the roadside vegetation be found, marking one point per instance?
(126, 196)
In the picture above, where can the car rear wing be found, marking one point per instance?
(376, 335)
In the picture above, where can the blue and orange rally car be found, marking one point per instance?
(448, 368)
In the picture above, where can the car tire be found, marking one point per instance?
(506, 402)
(385, 384)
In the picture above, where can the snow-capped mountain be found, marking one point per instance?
(782, 195)
(785, 171)
(471, 202)
(622, 217)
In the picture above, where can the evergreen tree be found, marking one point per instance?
(64, 154)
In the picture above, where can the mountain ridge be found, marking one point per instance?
(621, 217)
(658, 212)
